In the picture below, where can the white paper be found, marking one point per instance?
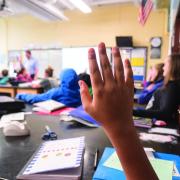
(13, 117)
(164, 131)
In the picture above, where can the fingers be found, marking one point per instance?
(128, 74)
(85, 95)
(95, 75)
(105, 65)
(118, 66)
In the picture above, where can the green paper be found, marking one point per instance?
(163, 168)
(113, 162)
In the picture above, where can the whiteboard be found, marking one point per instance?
(44, 57)
(58, 59)
(77, 58)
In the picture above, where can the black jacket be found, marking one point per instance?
(165, 104)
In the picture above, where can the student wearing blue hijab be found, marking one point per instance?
(67, 93)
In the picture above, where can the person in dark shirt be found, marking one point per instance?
(164, 104)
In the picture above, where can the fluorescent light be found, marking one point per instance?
(81, 5)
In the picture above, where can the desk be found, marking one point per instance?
(29, 90)
(8, 89)
(15, 152)
(13, 90)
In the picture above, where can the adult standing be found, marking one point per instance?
(31, 65)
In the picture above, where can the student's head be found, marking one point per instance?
(157, 72)
(86, 78)
(4, 73)
(28, 54)
(49, 72)
(69, 79)
(22, 71)
(172, 67)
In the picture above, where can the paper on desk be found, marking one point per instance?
(164, 131)
(163, 168)
(157, 137)
(113, 162)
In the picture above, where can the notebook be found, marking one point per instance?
(81, 116)
(142, 122)
(48, 106)
(58, 159)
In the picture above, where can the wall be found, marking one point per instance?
(3, 43)
(89, 29)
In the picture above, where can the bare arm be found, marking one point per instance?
(112, 105)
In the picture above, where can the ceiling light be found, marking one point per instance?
(81, 5)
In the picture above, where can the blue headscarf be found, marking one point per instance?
(67, 93)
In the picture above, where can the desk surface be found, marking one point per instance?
(15, 152)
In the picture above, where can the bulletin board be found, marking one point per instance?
(138, 58)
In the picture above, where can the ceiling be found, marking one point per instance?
(48, 9)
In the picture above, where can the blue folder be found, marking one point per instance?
(80, 113)
(105, 173)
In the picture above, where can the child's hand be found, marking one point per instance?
(112, 94)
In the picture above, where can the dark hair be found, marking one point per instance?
(159, 68)
(174, 72)
(49, 72)
(86, 78)
(28, 51)
(175, 66)
(21, 70)
(5, 73)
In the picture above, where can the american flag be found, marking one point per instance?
(145, 9)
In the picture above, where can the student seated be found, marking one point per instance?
(48, 74)
(4, 79)
(154, 81)
(164, 103)
(111, 106)
(23, 76)
(86, 78)
(67, 93)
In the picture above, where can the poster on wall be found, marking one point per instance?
(138, 58)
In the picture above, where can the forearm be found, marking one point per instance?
(130, 153)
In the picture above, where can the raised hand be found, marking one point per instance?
(112, 100)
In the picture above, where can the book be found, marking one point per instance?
(48, 106)
(110, 167)
(82, 117)
(142, 122)
(58, 159)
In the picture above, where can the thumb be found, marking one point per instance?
(85, 95)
